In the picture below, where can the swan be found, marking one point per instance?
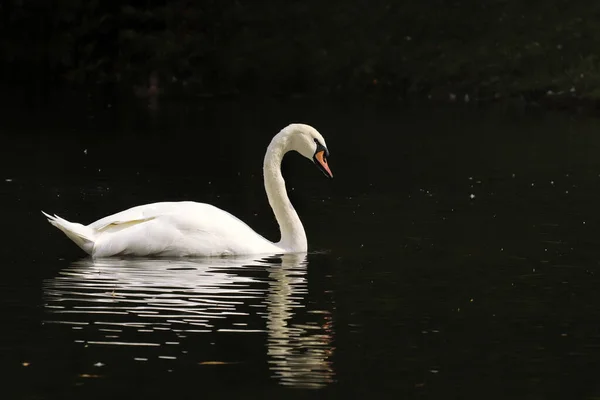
(186, 228)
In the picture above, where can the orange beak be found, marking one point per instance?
(320, 157)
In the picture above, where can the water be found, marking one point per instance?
(147, 311)
(454, 255)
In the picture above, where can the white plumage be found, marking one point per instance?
(188, 228)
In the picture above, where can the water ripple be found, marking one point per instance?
(150, 303)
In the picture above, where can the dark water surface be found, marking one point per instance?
(454, 255)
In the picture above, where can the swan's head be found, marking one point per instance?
(307, 141)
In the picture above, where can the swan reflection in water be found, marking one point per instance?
(137, 302)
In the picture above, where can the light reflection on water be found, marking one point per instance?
(158, 303)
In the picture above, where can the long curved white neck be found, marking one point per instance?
(293, 237)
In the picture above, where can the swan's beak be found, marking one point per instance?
(321, 162)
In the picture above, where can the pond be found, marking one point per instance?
(454, 254)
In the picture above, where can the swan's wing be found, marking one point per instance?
(135, 215)
(118, 225)
(129, 232)
(138, 237)
(182, 228)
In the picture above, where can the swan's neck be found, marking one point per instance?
(293, 237)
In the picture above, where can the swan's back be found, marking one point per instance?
(153, 210)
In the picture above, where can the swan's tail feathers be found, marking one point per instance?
(83, 236)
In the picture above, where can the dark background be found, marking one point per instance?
(455, 253)
(408, 50)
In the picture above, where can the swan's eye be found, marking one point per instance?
(320, 147)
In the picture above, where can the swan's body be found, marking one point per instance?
(174, 229)
(188, 228)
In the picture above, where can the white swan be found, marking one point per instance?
(186, 228)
